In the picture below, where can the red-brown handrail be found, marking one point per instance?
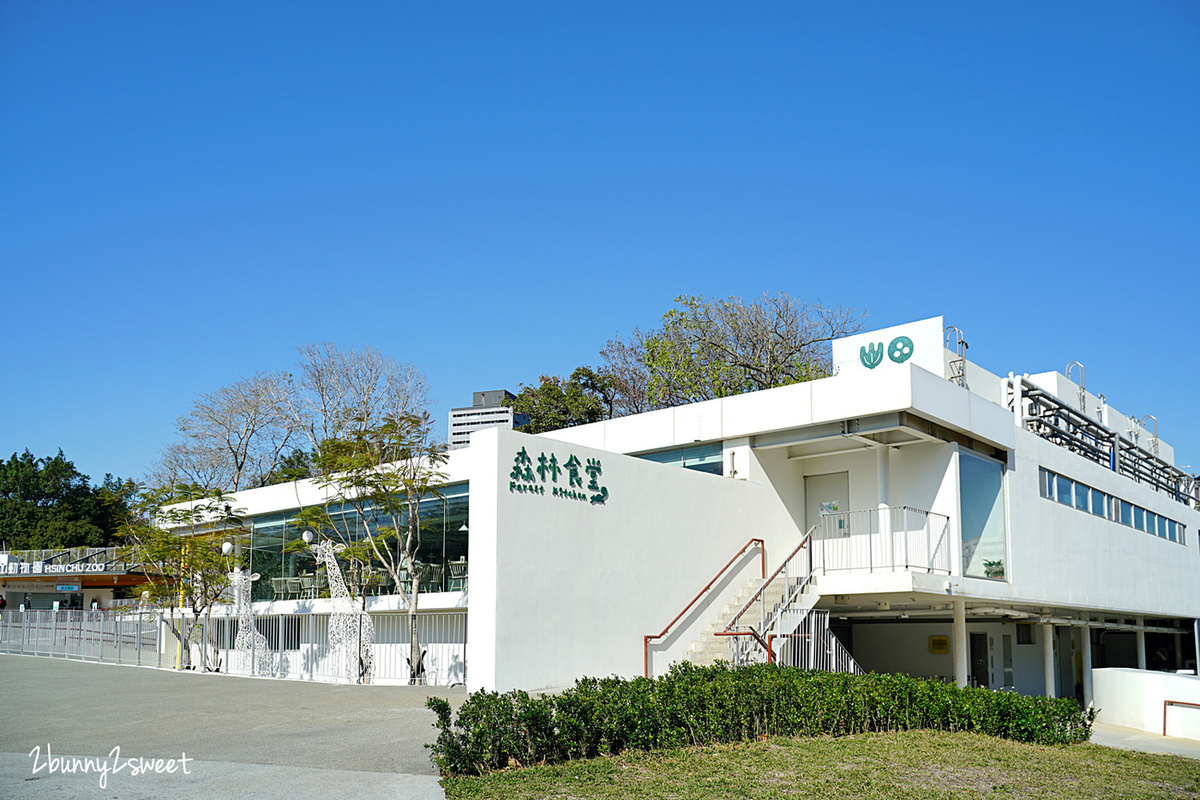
(762, 547)
(767, 581)
(1174, 703)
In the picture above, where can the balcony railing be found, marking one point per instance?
(65, 561)
(901, 539)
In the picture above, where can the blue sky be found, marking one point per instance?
(190, 191)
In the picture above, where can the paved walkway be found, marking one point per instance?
(1133, 739)
(243, 737)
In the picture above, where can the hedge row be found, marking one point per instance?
(703, 705)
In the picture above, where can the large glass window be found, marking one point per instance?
(287, 567)
(984, 528)
(1099, 503)
(700, 457)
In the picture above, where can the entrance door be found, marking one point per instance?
(979, 660)
(825, 496)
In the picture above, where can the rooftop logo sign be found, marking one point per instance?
(532, 477)
(899, 351)
(918, 343)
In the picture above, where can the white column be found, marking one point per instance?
(1141, 644)
(1048, 657)
(959, 642)
(884, 476)
(1087, 666)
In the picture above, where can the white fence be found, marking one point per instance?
(289, 646)
(866, 541)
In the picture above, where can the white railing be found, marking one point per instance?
(296, 645)
(112, 559)
(812, 646)
(866, 541)
(103, 636)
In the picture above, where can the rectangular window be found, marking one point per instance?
(1139, 518)
(1025, 634)
(1099, 501)
(1081, 496)
(1046, 483)
(1126, 513)
(1171, 529)
(1062, 490)
(983, 525)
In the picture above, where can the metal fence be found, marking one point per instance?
(902, 539)
(813, 646)
(288, 646)
(104, 636)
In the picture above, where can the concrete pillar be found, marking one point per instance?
(883, 473)
(1048, 657)
(959, 642)
(1141, 644)
(1087, 666)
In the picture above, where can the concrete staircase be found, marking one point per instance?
(710, 648)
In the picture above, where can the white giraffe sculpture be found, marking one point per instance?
(351, 631)
(253, 653)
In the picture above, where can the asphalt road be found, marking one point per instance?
(243, 737)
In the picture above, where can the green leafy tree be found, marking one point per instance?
(555, 403)
(46, 503)
(381, 474)
(175, 534)
(717, 348)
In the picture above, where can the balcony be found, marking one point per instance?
(896, 539)
(65, 561)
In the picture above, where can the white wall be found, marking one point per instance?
(1134, 698)
(1065, 556)
(562, 588)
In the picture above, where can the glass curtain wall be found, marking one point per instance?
(287, 568)
(984, 528)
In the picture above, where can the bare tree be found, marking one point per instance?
(626, 368)
(343, 391)
(232, 438)
(716, 348)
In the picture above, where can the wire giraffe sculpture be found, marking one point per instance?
(253, 652)
(351, 630)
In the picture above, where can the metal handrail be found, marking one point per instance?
(768, 625)
(762, 546)
(767, 582)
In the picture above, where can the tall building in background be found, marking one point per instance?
(487, 410)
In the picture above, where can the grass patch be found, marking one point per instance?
(918, 764)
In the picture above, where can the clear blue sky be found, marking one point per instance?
(190, 190)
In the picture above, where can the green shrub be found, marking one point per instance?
(704, 705)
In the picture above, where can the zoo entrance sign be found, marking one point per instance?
(38, 568)
(535, 476)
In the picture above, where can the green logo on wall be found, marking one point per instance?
(871, 356)
(522, 478)
(899, 351)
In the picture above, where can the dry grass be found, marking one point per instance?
(913, 764)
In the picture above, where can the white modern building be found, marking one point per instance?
(1011, 531)
(487, 410)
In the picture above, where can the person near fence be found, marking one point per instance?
(3, 603)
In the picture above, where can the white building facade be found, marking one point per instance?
(938, 519)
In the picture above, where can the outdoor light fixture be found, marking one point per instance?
(227, 548)
(463, 529)
(307, 536)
